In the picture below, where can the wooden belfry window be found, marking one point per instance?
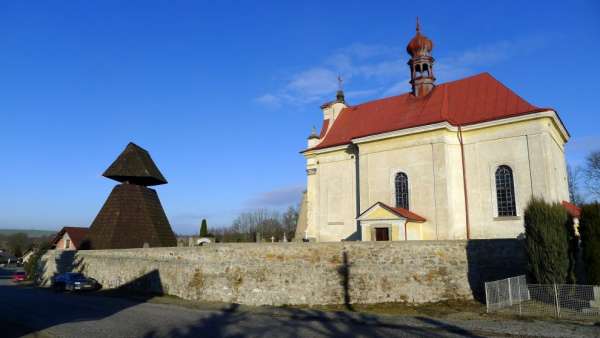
(505, 191)
(401, 190)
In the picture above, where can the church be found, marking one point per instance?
(456, 160)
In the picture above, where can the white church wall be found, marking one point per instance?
(538, 165)
(382, 160)
(336, 218)
(534, 149)
(482, 160)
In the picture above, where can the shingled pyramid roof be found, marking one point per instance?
(135, 166)
(131, 217)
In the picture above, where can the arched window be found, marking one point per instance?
(401, 190)
(505, 191)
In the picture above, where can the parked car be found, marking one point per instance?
(19, 276)
(73, 281)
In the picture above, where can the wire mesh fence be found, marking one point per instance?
(513, 295)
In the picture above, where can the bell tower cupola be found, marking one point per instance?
(421, 64)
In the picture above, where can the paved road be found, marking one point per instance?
(44, 313)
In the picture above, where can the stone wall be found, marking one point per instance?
(301, 273)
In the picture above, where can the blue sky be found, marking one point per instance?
(223, 94)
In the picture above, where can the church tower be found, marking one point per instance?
(132, 216)
(421, 64)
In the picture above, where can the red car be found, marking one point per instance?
(19, 276)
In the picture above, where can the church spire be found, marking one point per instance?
(339, 95)
(420, 63)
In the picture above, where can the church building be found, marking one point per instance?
(456, 160)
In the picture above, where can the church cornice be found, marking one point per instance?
(454, 128)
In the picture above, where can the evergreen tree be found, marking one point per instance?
(547, 242)
(203, 228)
(589, 229)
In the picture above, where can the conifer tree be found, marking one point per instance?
(546, 242)
(589, 229)
(203, 228)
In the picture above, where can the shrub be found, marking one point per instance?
(589, 229)
(546, 242)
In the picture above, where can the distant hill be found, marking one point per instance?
(28, 232)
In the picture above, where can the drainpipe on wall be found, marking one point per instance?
(462, 155)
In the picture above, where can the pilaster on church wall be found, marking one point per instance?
(540, 180)
(312, 197)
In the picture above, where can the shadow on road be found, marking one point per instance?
(230, 322)
(28, 310)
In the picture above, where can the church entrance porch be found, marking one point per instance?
(384, 223)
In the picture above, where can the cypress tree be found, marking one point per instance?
(203, 228)
(589, 229)
(546, 242)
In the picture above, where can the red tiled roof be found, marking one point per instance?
(572, 209)
(76, 234)
(411, 216)
(401, 212)
(470, 100)
(324, 128)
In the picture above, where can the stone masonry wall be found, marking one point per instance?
(301, 273)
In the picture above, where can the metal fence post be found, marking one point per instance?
(519, 289)
(487, 300)
(509, 293)
(556, 300)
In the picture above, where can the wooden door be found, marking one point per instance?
(382, 234)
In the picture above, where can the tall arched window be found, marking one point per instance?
(505, 191)
(401, 190)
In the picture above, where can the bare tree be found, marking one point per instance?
(574, 178)
(290, 220)
(259, 224)
(592, 173)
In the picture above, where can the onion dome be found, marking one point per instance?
(420, 44)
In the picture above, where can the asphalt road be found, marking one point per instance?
(34, 312)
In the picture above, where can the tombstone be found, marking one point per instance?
(203, 241)
(595, 302)
(132, 216)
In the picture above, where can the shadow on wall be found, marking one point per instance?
(150, 283)
(493, 259)
(64, 262)
(344, 272)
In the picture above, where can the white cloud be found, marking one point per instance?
(362, 93)
(398, 87)
(381, 70)
(280, 197)
(313, 82)
(269, 100)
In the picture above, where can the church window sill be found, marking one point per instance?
(507, 218)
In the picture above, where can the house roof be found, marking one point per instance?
(572, 209)
(400, 212)
(76, 234)
(471, 100)
(135, 165)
